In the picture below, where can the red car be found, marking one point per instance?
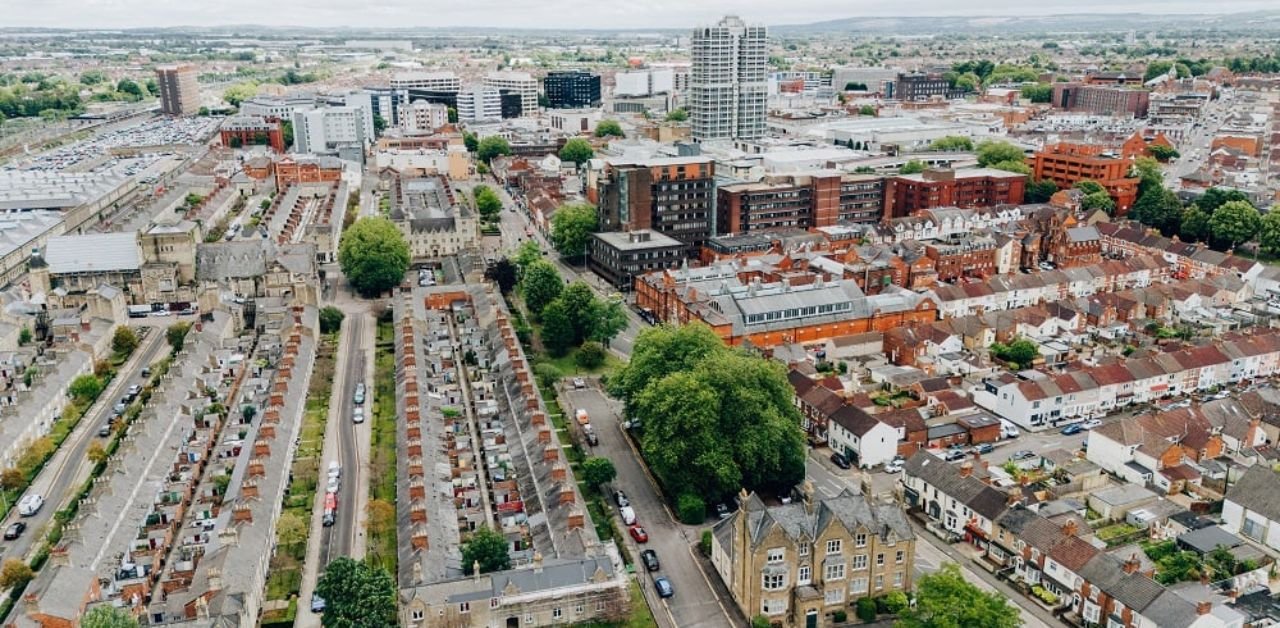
(639, 534)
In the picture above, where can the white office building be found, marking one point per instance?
(276, 107)
(521, 83)
(729, 85)
(319, 130)
(421, 116)
(431, 81)
(480, 104)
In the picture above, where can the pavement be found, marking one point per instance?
(69, 467)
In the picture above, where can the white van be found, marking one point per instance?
(30, 505)
(335, 470)
(1008, 429)
(628, 515)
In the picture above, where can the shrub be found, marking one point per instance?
(547, 374)
(893, 602)
(591, 355)
(704, 544)
(840, 616)
(866, 609)
(691, 509)
(330, 319)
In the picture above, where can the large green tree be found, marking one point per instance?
(1038, 93)
(488, 203)
(124, 341)
(577, 150)
(609, 128)
(104, 616)
(85, 388)
(489, 548)
(658, 352)
(373, 255)
(598, 470)
(1013, 165)
(528, 253)
(492, 146)
(1269, 232)
(1213, 198)
(579, 303)
(557, 327)
(608, 319)
(1089, 186)
(1159, 208)
(913, 166)
(540, 285)
(953, 143)
(1195, 225)
(995, 151)
(945, 599)
(571, 228)
(1098, 200)
(356, 595)
(1234, 223)
(1041, 191)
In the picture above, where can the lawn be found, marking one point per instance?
(382, 543)
(568, 366)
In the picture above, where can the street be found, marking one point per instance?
(67, 470)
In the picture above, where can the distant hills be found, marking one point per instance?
(1256, 21)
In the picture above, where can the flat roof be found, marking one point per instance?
(95, 252)
(622, 240)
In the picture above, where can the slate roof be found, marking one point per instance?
(1259, 491)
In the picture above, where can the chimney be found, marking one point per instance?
(475, 571)
(1070, 527)
(1015, 495)
(1204, 608)
(966, 469)
(1131, 566)
(537, 562)
(806, 493)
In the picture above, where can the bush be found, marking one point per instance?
(591, 355)
(866, 609)
(704, 544)
(691, 509)
(840, 616)
(330, 319)
(892, 603)
(547, 374)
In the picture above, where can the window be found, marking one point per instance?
(773, 582)
(834, 596)
(773, 607)
(900, 557)
(464, 607)
(579, 608)
(835, 572)
(897, 579)
(600, 605)
(417, 614)
(556, 614)
(879, 560)
(805, 575)
(803, 550)
(833, 547)
(860, 540)
(776, 555)
(859, 586)
(1092, 612)
(860, 562)
(879, 582)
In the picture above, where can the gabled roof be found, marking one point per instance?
(1258, 490)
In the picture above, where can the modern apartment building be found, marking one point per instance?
(276, 107)
(922, 86)
(386, 103)
(430, 81)
(674, 196)
(729, 85)
(1067, 164)
(423, 117)
(621, 257)
(324, 129)
(1104, 99)
(572, 89)
(942, 187)
(521, 83)
(179, 89)
(798, 201)
(479, 104)
(797, 564)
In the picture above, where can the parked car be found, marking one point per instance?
(1091, 423)
(332, 486)
(621, 499)
(15, 530)
(628, 515)
(358, 415)
(650, 559)
(579, 383)
(317, 603)
(638, 534)
(105, 430)
(840, 461)
(984, 448)
(953, 454)
(893, 466)
(663, 586)
(335, 469)
(723, 511)
(592, 439)
(1022, 454)
(1072, 429)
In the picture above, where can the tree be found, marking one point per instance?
(24, 336)
(1269, 232)
(382, 517)
(105, 616)
(945, 599)
(96, 454)
(914, 166)
(488, 203)
(1020, 352)
(609, 128)
(379, 124)
(124, 341)
(356, 595)
(994, 152)
(373, 255)
(952, 143)
(504, 273)
(691, 509)
(528, 253)
(1159, 208)
(470, 140)
(1098, 200)
(1017, 166)
(895, 601)
(491, 147)
(677, 115)
(487, 547)
(598, 470)
(1157, 68)
(330, 319)
(1162, 152)
(85, 388)
(1041, 191)
(867, 110)
(1038, 93)
(1235, 222)
(608, 319)
(571, 227)
(176, 334)
(15, 574)
(579, 302)
(239, 93)
(658, 352)
(92, 77)
(865, 609)
(1195, 225)
(540, 285)
(12, 479)
(577, 150)
(453, 117)
(1089, 186)
(557, 328)
(591, 355)
(131, 89)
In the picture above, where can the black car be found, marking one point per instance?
(105, 430)
(840, 461)
(953, 455)
(621, 499)
(650, 559)
(14, 531)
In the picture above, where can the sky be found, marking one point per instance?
(545, 13)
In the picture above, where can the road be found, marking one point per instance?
(696, 603)
(1194, 148)
(339, 539)
(70, 466)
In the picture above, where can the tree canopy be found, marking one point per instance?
(913, 166)
(487, 547)
(945, 599)
(373, 255)
(1195, 225)
(492, 146)
(571, 228)
(540, 285)
(1089, 186)
(330, 319)
(1159, 208)
(488, 203)
(1235, 223)
(356, 595)
(1021, 352)
(85, 388)
(124, 340)
(677, 115)
(1213, 198)
(609, 128)
(994, 152)
(598, 470)
(104, 616)
(557, 328)
(1041, 191)
(577, 150)
(1098, 200)
(952, 143)
(1013, 165)
(1269, 232)
(504, 273)
(1038, 92)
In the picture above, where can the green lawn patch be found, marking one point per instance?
(382, 539)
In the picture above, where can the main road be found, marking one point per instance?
(340, 538)
(69, 467)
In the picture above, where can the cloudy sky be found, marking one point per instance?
(543, 13)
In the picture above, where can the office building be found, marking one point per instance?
(386, 103)
(674, 196)
(922, 86)
(276, 107)
(621, 257)
(943, 187)
(429, 81)
(1103, 99)
(244, 131)
(573, 89)
(479, 104)
(1067, 164)
(799, 202)
(729, 86)
(325, 129)
(521, 83)
(363, 101)
(179, 89)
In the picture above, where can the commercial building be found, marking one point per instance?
(81, 197)
(572, 89)
(620, 257)
(581, 122)
(479, 104)
(799, 564)
(290, 171)
(1067, 163)
(941, 187)
(325, 129)
(433, 224)
(729, 86)
(519, 83)
(276, 107)
(1109, 100)
(428, 81)
(386, 103)
(674, 196)
(922, 86)
(421, 116)
(241, 131)
(799, 201)
(20, 234)
(179, 89)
